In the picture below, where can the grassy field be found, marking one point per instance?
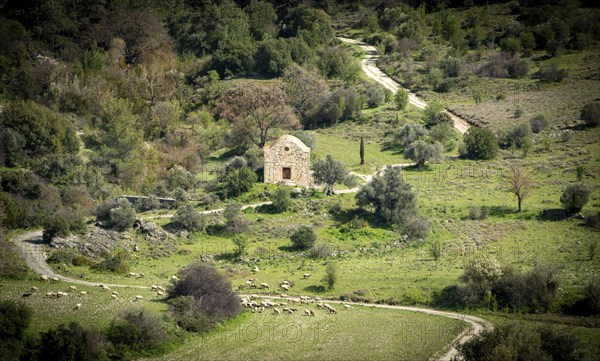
(392, 335)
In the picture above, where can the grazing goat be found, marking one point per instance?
(285, 287)
(347, 306)
(77, 306)
(34, 289)
(309, 312)
(306, 275)
(44, 278)
(55, 279)
(160, 293)
(138, 298)
(264, 286)
(26, 294)
(276, 311)
(113, 297)
(72, 288)
(83, 293)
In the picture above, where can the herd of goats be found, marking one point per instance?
(248, 301)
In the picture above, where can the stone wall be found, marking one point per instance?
(287, 152)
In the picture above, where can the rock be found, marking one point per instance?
(92, 244)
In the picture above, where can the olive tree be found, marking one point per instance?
(329, 171)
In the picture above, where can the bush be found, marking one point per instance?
(479, 143)
(319, 250)
(236, 178)
(590, 113)
(416, 227)
(443, 133)
(189, 219)
(409, 133)
(538, 123)
(543, 343)
(435, 114)
(477, 213)
(575, 197)
(235, 220)
(303, 238)
(282, 199)
(55, 227)
(184, 310)
(517, 137)
(375, 96)
(505, 65)
(330, 277)
(179, 177)
(422, 152)
(211, 292)
(118, 263)
(401, 99)
(72, 343)
(552, 73)
(147, 204)
(118, 215)
(136, 330)
(14, 320)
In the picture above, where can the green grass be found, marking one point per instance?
(357, 334)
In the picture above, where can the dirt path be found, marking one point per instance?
(369, 66)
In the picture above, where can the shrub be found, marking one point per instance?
(303, 238)
(401, 99)
(552, 73)
(179, 177)
(435, 249)
(235, 220)
(14, 320)
(236, 178)
(282, 199)
(517, 136)
(592, 294)
(477, 213)
(590, 113)
(422, 152)
(72, 343)
(184, 310)
(330, 277)
(538, 123)
(479, 144)
(375, 96)
(136, 330)
(189, 219)
(211, 292)
(118, 215)
(575, 197)
(319, 250)
(443, 133)
(505, 65)
(593, 220)
(55, 227)
(240, 244)
(409, 133)
(118, 263)
(435, 114)
(147, 204)
(416, 227)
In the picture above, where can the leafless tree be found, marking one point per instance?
(520, 183)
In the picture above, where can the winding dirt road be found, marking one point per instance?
(369, 66)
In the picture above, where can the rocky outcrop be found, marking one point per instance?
(93, 243)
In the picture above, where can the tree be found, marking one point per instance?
(330, 277)
(240, 242)
(329, 171)
(305, 90)
(255, 108)
(590, 113)
(375, 96)
(575, 197)
(401, 99)
(262, 16)
(392, 198)
(362, 151)
(304, 237)
(137, 330)
(422, 152)
(479, 143)
(520, 183)
(236, 222)
(282, 199)
(435, 114)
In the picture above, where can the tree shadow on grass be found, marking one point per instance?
(314, 288)
(267, 209)
(348, 215)
(554, 215)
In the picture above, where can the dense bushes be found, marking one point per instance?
(303, 238)
(505, 65)
(282, 199)
(505, 342)
(401, 99)
(236, 178)
(72, 342)
(517, 136)
(117, 263)
(488, 284)
(422, 152)
(210, 298)
(409, 133)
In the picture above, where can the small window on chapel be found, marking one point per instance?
(287, 173)
(287, 149)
